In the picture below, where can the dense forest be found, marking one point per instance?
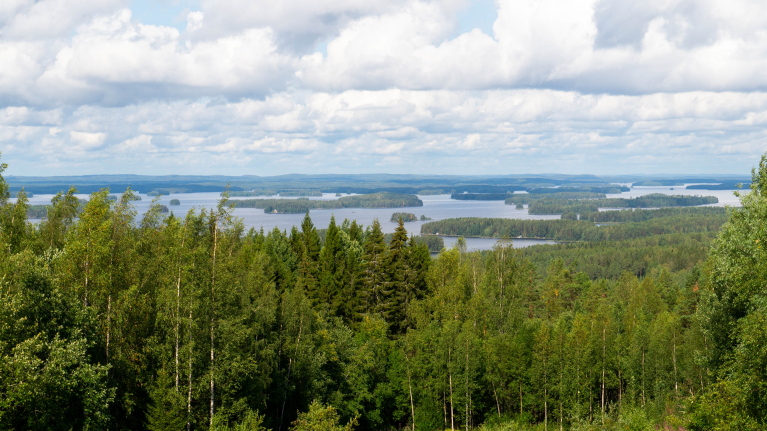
(663, 222)
(282, 192)
(113, 321)
(568, 203)
(302, 205)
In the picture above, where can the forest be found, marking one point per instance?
(660, 222)
(581, 202)
(302, 205)
(109, 320)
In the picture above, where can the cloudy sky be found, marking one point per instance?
(399, 86)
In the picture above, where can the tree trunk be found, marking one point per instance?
(676, 383)
(545, 409)
(189, 395)
(410, 388)
(213, 324)
(450, 380)
(444, 409)
(604, 360)
(467, 383)
(178, 302)
(109, 324)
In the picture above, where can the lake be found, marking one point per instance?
(436, 207)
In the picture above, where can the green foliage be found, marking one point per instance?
(434, 243)
(569, 216)
(406, 217)
(165, 411)
(559, 206)
(321, 418)
(632, 216)
(37, 211)
(111, 321)
(302, 205)
(551, 195)
(48, 378)
(251, 421)
(733, 315)
(571, 230)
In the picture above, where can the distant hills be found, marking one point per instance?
(351, 183)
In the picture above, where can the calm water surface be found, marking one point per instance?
(438, 207)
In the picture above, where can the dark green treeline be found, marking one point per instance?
(108, 321)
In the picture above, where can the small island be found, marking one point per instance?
(424, 218)
(175, 202)
(406, 217)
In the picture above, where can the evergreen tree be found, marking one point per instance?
(332, 262)
(165, 411)
(375, 296)
(308, 266)
(399, 280)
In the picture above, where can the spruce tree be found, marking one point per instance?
(332, 263)
(166, 407)
(373, 277)
(398, 279)
(308, 267)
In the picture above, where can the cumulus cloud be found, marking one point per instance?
(670, 85)
(424, 131)
(87, 141)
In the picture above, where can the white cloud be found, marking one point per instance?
(87, 141)
(676, 82)
(139, 144)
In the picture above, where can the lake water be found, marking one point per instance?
(437, 207)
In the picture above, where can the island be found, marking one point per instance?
(302, 205)
(631, 224)
(406, 217)
(175, 202)
(566, 203)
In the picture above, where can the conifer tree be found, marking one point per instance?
(373, 275)
(332, 262)
(308, 267)
(398, 279)
(165, 411)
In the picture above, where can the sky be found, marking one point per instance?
(256, 87)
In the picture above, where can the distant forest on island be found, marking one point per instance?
(641, 319)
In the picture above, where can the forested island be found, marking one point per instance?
(302, 205)
(661, 223)
(289, 192)
(406, 217)
(108, 321)
(591, 202)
